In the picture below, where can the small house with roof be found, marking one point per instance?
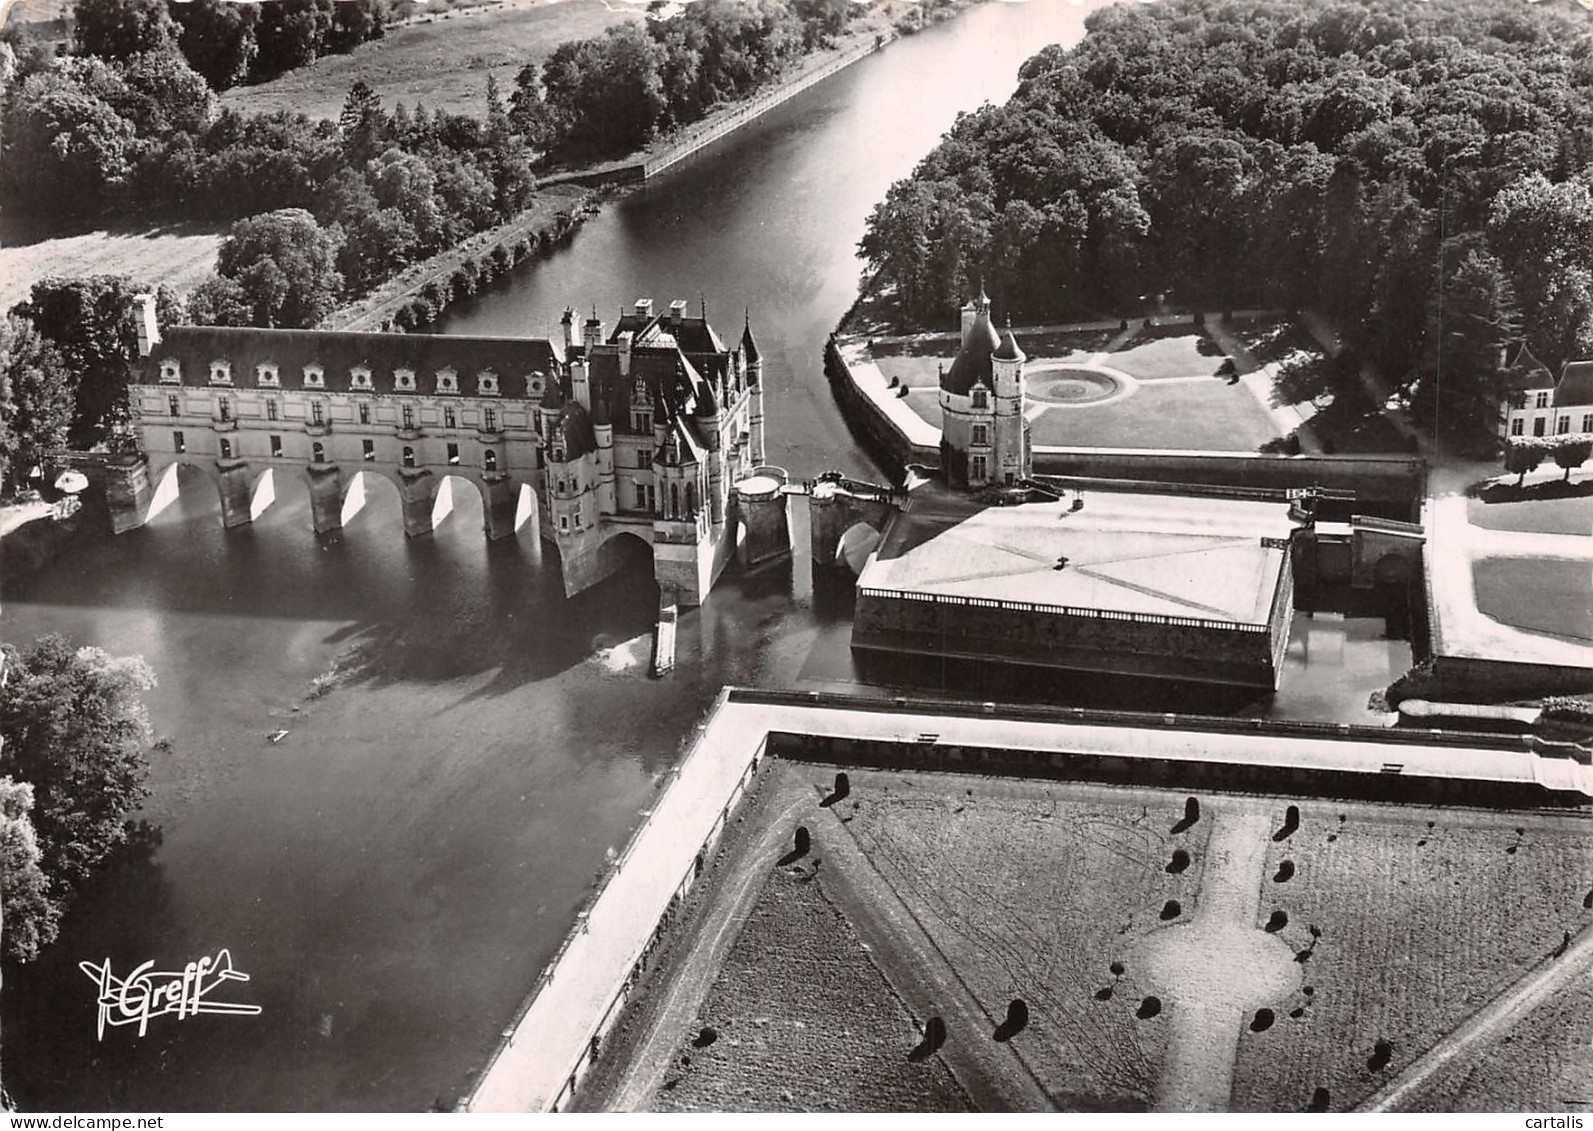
(1543, 407)
(984, 436)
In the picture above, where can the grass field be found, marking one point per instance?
(803, 1021)
(444, 63)
(1209, 415)
(1544, 1062)
(1536, 594)
(180, 257)
(1035, 891)
(1168, 352)
(1420, 927)
(1509, 510)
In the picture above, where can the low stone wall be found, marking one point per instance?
(866, 402)
(1472, 679)
(1126, 644)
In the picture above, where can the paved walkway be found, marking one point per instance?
(551, 1039)
(1259, 381)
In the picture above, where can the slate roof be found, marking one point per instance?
(1534, 374)
(522, 365)
(971, 366)
(1576, 385)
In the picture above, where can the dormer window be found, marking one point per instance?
(360, 378)
(981, 398)
(221, 373)
(266, 375)
(314, 377)
(1542, 401)
(447, 381)
(404, 380)
(487, 383)
(171, 371)
(534, 383)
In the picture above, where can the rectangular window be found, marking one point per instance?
(977, 467)
(644, 458)
(453, 454)
(1564, 426)
(1517, 426)
(226, 449)
(276, 447)
(489, 419)
(1587, 422)
(981, 435)
(178, 444)
(641, 497)
(1542, 401)
(174, 406)
(365, 413)
(224, 408)
(449, 419)
(272, 409)
(409, 416)
(564, 522)
(644, 422)
(1537, 426)
(317, 413)
(369, 449)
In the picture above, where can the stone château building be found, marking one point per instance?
(1545, 407)
(639, 433)
(984, 433)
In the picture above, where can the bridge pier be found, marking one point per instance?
(500, 506)
(326, 498)
(418, 492)
(237, 495)
(761, 503)
(128, 491)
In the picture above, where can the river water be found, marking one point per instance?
(393, 874)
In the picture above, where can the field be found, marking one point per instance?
(1548, 508)
(997, 874)
(443, 63)
(1230, 956)
(178, 256)
(1547, 595)
(802, 1020)
(1169, 352)
(1420, 925)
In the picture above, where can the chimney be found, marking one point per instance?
(592, 333)
(677, 311)
(148, 327)
(625, 352)
(644, 308)
(568, 322)
(970, 314)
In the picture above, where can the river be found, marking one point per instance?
(393, 874)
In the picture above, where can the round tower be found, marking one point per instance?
(754, 363)
(1010, 449)
(967, 404)
(603, 434)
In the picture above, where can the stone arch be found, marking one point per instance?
(622, 550)
(1392, 569)
(164, 483)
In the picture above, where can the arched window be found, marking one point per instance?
(409, 457)
(691, 499)
(489, 460)
(318, 452)
(674, 500)
(226, 449)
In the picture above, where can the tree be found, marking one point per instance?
(219, 301)
(29, 918)
(90, 321)
(1522, 456)
(36, 398)
(75, 729)
(363, 124)
(285, 264)
(67, 152)
(353, 22)
(291, 33)
(1473, 322)
(1572, 452)
(165, 95)
(218, 39)
(1543, 232)
(120, 29)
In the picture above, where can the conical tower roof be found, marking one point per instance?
(971, 366)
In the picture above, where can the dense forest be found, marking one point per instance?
(1420, 172)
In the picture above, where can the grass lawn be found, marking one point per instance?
(1421, 925)
(443, 64)
(1204, 415)
(1543, 515)
(1537, 594)
(1546, 1060)
(1166, 352)
(1034, 890)
(179, 256)
(804, 1021)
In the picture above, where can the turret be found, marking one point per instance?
(708, 417)
(148, 325)
(754, 364)
(580, 383)
(603, 434)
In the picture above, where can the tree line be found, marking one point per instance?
(1418, 172)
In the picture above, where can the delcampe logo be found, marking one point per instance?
(147, 993)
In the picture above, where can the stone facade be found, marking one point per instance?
(642, 432)
(984, 433)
